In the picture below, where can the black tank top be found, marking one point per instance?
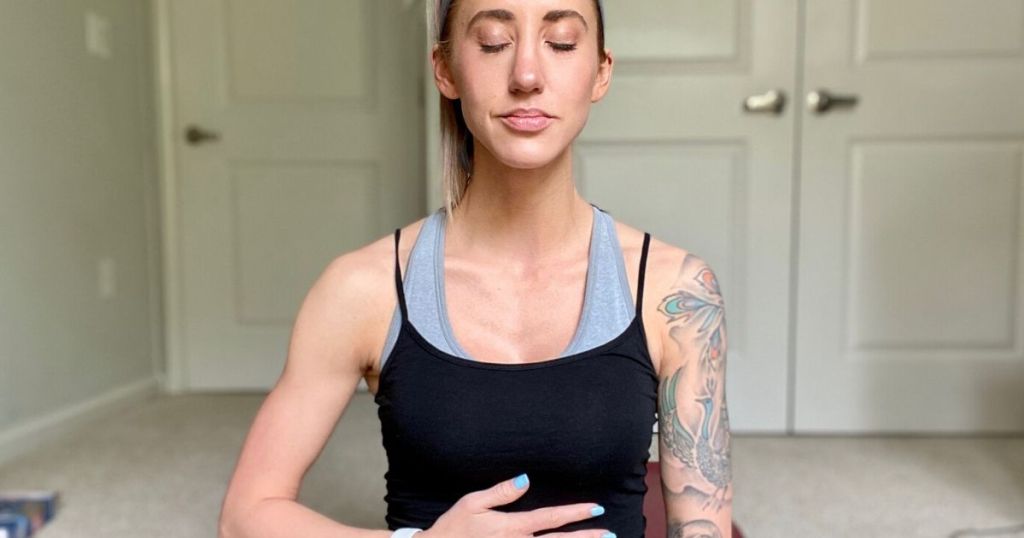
(580, 426)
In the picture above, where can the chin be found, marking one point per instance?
(523, 160)
(532, 153)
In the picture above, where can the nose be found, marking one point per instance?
(526, 72)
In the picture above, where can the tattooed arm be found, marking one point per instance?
(693, 421)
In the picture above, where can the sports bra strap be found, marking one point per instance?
(398, 278)
(639, 285)
(640, 279)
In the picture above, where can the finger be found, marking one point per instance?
(589, 533)
(501, 493)
(550, 517)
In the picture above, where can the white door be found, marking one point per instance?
(909, 298)
(317, 106)
(671, 150)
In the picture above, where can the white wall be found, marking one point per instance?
(78, 183)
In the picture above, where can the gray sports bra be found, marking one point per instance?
(607, 303)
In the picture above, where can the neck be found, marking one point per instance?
(521, 214)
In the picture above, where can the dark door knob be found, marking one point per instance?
(196, 135)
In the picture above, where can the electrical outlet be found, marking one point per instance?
(107, 272)
(98, 35)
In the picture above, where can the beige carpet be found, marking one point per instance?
(160, 470)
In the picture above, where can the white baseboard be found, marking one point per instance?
(22, 438)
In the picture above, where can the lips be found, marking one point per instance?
(528, 120)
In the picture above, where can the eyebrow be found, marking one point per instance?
(505, 15)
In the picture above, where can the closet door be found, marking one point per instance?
(909, 260)
(298, 135)
(672, 150)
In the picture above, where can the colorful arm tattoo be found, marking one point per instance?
(693, 423)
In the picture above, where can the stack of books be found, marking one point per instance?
(23, 512)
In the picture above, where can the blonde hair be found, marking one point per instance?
(456, 139)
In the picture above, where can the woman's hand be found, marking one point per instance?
(472, 516)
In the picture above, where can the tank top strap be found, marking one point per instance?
(640, 279)
(398, 279)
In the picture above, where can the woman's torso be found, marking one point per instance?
(580, 423)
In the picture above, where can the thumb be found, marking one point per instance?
(501, 493)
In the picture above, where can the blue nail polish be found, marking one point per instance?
(608, 535)
(522, 481)
(597, 510)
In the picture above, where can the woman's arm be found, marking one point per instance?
(693, 423)
(326, 358)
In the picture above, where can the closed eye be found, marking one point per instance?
(560, 47)
(493, 48)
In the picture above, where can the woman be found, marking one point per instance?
(505, 410)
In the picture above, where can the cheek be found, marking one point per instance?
(481, 83)
(479, 103)
(574, 85)
(482, 95)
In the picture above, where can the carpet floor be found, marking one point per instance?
(161, 469)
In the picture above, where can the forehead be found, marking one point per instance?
(473, 12)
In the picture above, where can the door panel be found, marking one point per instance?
(671, 150)
(317, 110)
(910, 219)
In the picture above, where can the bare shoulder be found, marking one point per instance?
(361, 284)
(669, 267)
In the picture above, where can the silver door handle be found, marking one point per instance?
(771, 102)
(196, 135)
(822, 100)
